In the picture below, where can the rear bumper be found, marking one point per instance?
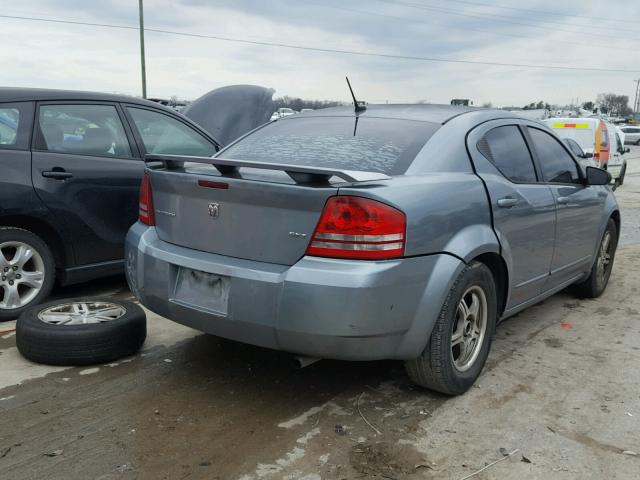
(326, 308)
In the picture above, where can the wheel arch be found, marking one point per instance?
(500, 272)
(49, 234)
(615, 215)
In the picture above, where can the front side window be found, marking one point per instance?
(82, 130)
(575, 148)
(163, 135)
(556, 164)
(506, 149)
(9, 121)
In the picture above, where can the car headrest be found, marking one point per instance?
(53, 135)
(97, 141)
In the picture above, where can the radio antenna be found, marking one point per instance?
(358, 106)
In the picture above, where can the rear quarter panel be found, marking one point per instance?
(446, 213)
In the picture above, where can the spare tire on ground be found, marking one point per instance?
(83, 331)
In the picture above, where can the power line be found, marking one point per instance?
(490, 32)
(498, 18)
(545, 12)
(333, 50)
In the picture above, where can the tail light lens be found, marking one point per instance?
(359, 228)
(145, 210)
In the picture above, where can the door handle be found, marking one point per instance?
(56, 174)
(563, 200)
(507, 202)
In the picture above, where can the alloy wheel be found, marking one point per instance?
(604, 258)
(469, 328)
(21, 274)
(81, 313)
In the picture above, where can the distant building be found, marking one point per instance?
(461, 101)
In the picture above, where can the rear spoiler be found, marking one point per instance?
(299, 173)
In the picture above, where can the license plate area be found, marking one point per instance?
(202, 290)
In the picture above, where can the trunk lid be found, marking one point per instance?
(265, 217)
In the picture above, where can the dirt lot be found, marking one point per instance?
(561, 388)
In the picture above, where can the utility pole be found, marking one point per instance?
(142, 65)
(636, 101)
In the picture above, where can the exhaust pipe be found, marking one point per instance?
(305, 361)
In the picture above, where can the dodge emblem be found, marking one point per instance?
(214, 210)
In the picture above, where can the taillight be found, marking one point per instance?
(145, 210)
(358, 228)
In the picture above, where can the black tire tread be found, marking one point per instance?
(432, 370)
(80, 345)
(588, 287)
(429, 374)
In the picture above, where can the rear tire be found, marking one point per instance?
(598, 279)
(452, 361)
(24, 282)
(45, 335)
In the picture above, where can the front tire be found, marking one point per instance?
(27, 271)
(461, 337)
(596, 283)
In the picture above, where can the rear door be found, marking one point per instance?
(16, 191)
(523, 209)
(579, 207)
(87, 172)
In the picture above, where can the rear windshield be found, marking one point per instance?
(370, 144)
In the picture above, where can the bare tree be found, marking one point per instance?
(613, 104)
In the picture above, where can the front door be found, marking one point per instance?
(87, 172)
(579, 207)
(523, 209)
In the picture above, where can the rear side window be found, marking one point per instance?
(366, 144)
(9, 121)
(15, 125)
(557, 165)
(94, 130)
(162, 134)
(506, 149)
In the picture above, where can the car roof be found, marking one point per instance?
(13, 94)
(421, 112)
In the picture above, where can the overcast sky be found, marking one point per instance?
(577, 33)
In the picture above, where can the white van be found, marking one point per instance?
(617, 165)
(590, 133)
(597, 137)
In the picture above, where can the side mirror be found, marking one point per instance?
(597, 176)
(587, 155)
(627, 150)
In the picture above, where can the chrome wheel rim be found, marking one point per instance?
(81, 313)
(604, 258)
(469, 328)
(21, 274)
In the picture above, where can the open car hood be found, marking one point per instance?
(229, 112)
